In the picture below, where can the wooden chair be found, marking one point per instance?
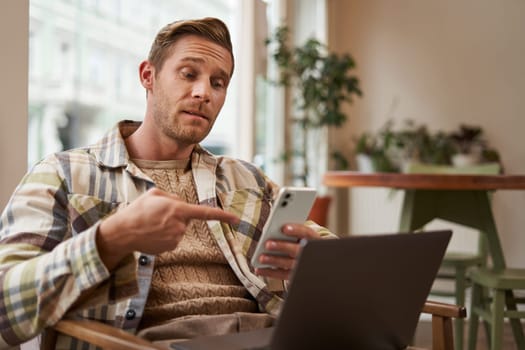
(442, 316)
(108, 337)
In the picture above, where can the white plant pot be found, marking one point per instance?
(462, 160)
(364, 163)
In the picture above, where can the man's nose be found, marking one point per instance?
(202, 90)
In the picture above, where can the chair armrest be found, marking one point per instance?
(442, 314)
(444, 310)
(103, 335)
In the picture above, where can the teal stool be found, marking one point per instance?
(493, 300)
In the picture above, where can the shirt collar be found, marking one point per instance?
(111, 150)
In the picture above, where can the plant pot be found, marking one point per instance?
(464, 159)
(365, 163)
(319, 211)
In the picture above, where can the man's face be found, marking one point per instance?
(189, 90)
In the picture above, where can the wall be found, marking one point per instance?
(14, 28)
(441, 63)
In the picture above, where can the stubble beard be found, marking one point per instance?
(172, 127)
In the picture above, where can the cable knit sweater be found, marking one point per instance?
(194, 278)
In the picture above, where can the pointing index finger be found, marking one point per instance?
(203, 212)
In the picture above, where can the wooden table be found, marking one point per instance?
(425, 181)
(464, 199)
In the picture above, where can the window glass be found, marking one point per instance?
(270, 104)
(83, 68)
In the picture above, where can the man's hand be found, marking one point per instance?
(283, 265)
(154, 223)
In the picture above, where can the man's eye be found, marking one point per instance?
(188, 74)
(218, 83)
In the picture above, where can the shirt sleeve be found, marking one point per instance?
(44, 269)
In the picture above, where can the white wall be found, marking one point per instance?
(14, 29)
(441, 63)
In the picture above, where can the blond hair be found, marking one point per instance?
(209, 28)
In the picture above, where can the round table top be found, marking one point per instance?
(424, 181)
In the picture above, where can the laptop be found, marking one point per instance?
(357, 292)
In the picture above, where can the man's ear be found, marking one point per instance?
(146, 74)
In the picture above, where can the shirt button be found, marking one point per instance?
(143, 260)
(130, 314)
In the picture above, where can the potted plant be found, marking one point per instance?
(320, 82)
(372, 151)
(471, 147)
(393, 149)
(415, 143)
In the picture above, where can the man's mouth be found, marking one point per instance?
(196, 113)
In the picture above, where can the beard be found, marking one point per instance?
(184, 132)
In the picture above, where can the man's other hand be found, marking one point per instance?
(284, 263)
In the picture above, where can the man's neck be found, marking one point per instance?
(144, 144)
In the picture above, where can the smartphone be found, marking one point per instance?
(292, 205)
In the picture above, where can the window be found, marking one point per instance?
(83, 68)
(306, 18)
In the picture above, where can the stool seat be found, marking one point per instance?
(493, 300)
(454, 262)
(508, 278)
(461, 258)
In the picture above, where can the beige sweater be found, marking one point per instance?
(195, 278)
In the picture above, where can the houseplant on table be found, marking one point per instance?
(392, 148)
(471, 147)
(320, 82)
(372, 151)
(395, 149)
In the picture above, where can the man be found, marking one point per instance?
(146, 230)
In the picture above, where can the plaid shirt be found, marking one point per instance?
(49, 264)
